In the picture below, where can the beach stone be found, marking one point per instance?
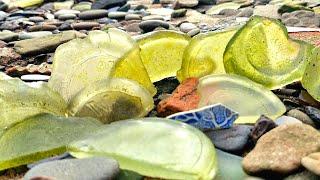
(207, 2)
(301, 18)
(233, 139)
(150, 25)
(64, 17)
(8, 56)
(229, 12)
(304, 175)
(125, 8)
(30, 35)
(287, 120)
(35, 77)
(262, 126)
(45, 44)
(45, 27)
(280, 150)
(106, 21)
(8, 36)
(312, 163)
(313, 113)
(179, 13)
(183, 98)
(93, 14)
(130, 17)
(117, 15)
(186, 27)
(270, 11)
(193, 32)
(188, 3)
(261, 2)
(301, 116)
(82, 6)
(65, 26)
(76, 169)
(66, 11)
(84, 25)
(133, 27)
(36, 19)
(105, 4)
(246, 12)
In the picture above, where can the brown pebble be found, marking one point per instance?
(84, 25)
(42, 28)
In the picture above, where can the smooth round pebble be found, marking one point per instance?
(153, 17)
(287, 120)
(36, 19)
(130, 17)
(301, 116)
(64, 17)
(35, 77)
(93, 14)
(150, 25)
(84, 25)
(186, 27)
(30, 35)
(117, 15)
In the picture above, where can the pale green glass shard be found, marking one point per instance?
(217, 8)
(112, 100)
(153, 147)
(311, 78)
(99, 56)
(262, 51)
(19, 100)
(249, 99)
(25, 3)
(40, 137)
(161, 53)
(204, 55)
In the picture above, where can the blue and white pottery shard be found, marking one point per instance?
(215, 116)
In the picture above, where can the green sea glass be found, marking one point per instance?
(153, 147)
(311, 78)
(41, 136)
(99, 56)
(249, 99)
(161, 53)
(112, 100)
(204, 55)
(262, 51)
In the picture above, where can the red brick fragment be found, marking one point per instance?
(184, 98)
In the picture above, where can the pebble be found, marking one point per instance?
(270, 11)
(105, 4)
(64, 17)
(84, 25)
(117, 15)
(301, 116)
(230, 140)
(66, 11)
(287, 120)
(36, 19)
(3, 15)
(88, 168)
(179, 13)
(188, 3)
(186, 27)
(93, 14)
(246, 12)
(262, 126)
(30, 35)
(82, 6)
(8, 56)
(130, 17)
(106, 21)
(45, 27)
(150, 25)
(312, 163)
(194, 32)
(35, 77)
(313, 113)
(8, 36)
(304, 175)
(281, 149)
(125, 8)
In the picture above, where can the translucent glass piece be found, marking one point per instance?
(249, 99)
(204, 55)
(311, 78)
(41, 136)
(262, 51)
(153, 147)
(112, 100)
(99, 56)
(161, 53)
(19, 100)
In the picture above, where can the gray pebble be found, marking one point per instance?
(93, 14)
(301, 116)
(150, 25)
(117, 15)
(130, 17)
(64, 17)
(186, 27)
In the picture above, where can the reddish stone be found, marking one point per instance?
(184, 98)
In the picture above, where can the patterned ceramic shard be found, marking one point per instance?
(161, 53)
(99, 56)
(40, 137)
(249, 99)
(262, 51)
(153, 147)
(208, 117)
(112, 100)
(19, 100)
(311, 80)
(204, 55)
